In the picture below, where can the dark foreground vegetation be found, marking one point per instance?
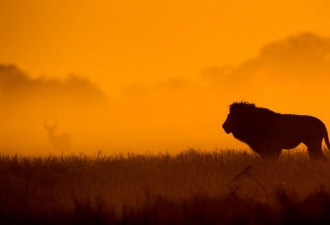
(189, 188)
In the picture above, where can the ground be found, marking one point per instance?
(194, 187)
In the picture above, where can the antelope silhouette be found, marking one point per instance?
(59, 142)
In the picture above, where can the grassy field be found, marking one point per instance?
(220, 187)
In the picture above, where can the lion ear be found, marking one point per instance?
(233, 106)
(241, 106)
(246, 103)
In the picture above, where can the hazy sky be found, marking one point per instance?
(162, 72)
(123, 42)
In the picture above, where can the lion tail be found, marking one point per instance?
(326, 138)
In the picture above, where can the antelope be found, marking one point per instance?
(59, 142)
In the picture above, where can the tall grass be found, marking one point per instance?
(219, 186)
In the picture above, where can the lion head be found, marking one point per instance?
(240, 114)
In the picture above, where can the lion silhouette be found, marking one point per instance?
(268, 132)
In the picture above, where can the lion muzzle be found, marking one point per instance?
(225, 128)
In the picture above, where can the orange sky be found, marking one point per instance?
(169, 69)
(122, 42)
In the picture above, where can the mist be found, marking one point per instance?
(288, 76)
(29, 106)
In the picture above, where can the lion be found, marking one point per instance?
(268, 132)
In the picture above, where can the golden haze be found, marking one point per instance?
(158, 67)
(288, 76)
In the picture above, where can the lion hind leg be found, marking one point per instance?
(315, 151)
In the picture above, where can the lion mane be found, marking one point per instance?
(268, 132)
